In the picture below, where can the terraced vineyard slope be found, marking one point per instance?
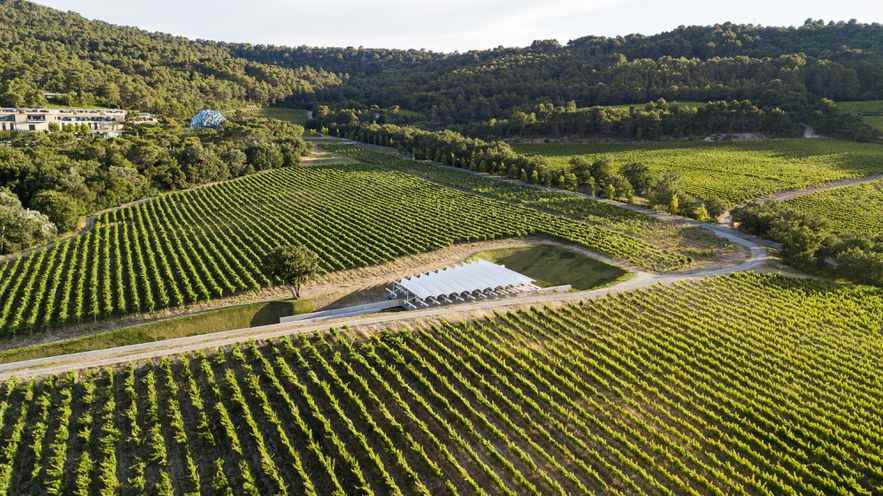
(853, 210)
(739, 171)
(208, 242)
(747, 384)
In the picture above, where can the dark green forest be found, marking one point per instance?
(96, 63)
(771, 66)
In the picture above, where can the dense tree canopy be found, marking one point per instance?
(292, 265)
(641, 122)
(66, 173)
(95, 63)
(90, 62)
(769, 65)
(809, 242)
(21, 227)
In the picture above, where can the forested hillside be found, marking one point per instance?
(96, 63)
(67, 174)
(769, 65)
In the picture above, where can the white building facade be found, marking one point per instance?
(108, 122)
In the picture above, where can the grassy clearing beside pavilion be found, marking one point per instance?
(555, 266)
(225, 319)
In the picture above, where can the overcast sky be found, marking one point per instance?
(448, 25)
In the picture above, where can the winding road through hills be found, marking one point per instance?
(758, 256)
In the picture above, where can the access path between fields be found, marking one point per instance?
(758, 256)
(145, 351)
(790, 194)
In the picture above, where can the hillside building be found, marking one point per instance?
(207, 119)
(108, 122)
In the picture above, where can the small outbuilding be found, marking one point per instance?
(460, 283)
(207, 119)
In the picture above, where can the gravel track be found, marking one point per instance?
(757, 259)
(146, 351)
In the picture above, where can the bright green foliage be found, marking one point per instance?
(734, 172)
(292, 265)
(870, 110)
(746, 384)
(856, 210)
(659, 234)
(21, 227)
(208, 242)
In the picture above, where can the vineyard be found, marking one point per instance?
(662, 235)
(739, 171)
(748, 384)
(852, 210)
(208, 242)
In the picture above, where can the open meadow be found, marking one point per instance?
(736, 171)
(551, 265)
(293, 115)
(870, 110)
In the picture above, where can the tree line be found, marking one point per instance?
(773, 67)
(65, 174)
(661, 120)
(601, 178)
(809, 242)
(651, 121)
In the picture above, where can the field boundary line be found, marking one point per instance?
(155, 349)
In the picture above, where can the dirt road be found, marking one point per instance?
(842, 183)
(112, 356)
(780, 196)
(73, 362)
(145, 351)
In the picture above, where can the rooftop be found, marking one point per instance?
(468, 278)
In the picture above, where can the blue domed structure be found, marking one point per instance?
(207, 119)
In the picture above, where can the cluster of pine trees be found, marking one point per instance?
(770, 66)
(88, 63)
(810, 243)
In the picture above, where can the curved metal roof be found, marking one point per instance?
(467, 278)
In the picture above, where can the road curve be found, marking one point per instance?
(113, 356)
(758, 257)
(144, 351)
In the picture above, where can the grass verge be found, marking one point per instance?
(555, 266)
(224, 319)
(296, 116)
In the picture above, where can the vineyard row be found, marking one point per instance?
(746, 384)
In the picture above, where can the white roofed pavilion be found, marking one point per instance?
(467, 282)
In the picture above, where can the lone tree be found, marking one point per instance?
(292, 265)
